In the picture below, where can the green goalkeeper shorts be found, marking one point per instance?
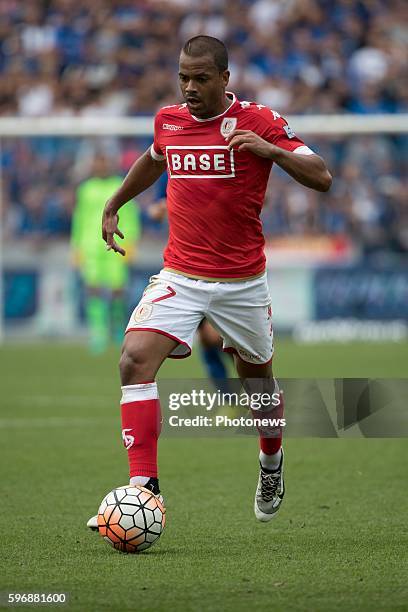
(110, 272)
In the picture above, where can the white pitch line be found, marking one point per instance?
(57, 401)
(40, 423)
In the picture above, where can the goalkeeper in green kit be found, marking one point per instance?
(105, 275)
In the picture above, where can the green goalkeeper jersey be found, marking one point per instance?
(87, 219)
(101, 268)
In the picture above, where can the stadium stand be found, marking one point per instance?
(118, 58)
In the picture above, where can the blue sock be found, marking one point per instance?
(215, 366)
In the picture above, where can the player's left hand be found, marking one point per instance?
(245, 140)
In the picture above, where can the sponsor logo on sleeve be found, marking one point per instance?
(289, 132)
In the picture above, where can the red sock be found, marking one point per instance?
(141, 424)
(270, 444)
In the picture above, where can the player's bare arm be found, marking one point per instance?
(144, 172)
(309, 170)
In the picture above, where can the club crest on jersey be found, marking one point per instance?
(228, 125)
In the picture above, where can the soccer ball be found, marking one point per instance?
(131, 518)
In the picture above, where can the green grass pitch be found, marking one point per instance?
(338, 544)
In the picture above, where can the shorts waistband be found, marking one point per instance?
(214, 280)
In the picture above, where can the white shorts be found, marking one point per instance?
(174, 305)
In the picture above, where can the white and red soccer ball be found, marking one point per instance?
(131, 518)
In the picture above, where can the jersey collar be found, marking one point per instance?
(230, 95)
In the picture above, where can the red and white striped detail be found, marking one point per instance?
(156, 156)
(164, 333)
(304, 150)
(166, 296)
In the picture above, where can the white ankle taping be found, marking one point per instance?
(270, 462)
(139, 480)
(137, 393)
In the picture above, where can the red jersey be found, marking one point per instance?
(215, 196)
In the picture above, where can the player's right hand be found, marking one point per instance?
(109, 229)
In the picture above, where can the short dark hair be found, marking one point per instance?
(208, 45)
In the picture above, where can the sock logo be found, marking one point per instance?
(128, 440)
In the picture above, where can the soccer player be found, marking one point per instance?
(105, 277)
(218, 152)
(210, 340)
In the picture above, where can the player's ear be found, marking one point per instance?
(225, 77)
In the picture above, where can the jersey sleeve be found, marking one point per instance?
(279, 133)
(155, 150)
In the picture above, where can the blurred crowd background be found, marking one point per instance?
(119, 58)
